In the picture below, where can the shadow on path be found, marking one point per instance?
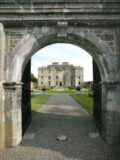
(79, 145)
(53, 119)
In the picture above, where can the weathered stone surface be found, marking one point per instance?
(2, 51)
(32, 25)
(94, 135)
(62, 138)
(2, 109)
(13, 121)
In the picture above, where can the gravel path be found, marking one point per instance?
(61, 115)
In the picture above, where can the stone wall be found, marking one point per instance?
(12, 107)
(2, 97)
(105, 59)
(32, 25)
(13, 38)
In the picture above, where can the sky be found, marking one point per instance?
(63, 52)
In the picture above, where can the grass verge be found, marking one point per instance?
(85, 101)
(38, 100)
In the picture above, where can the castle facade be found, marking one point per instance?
(60, 75)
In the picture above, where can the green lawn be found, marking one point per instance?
(85, 101)
(38, 100)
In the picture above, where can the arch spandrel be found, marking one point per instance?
(92, 25)
(41, 37)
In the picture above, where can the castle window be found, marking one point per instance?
(49, 83)
(49, 77)
(41, 82)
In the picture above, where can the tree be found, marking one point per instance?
(33, 78)
(89, 84)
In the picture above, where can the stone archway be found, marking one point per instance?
(41, 37)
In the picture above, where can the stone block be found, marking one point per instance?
(77, 27)
(2, 51)
(113, 140)
(13, 129)
(2, 117)
(12, 104)
(2, 104)
(14, 141)
(14, 115)
(8, 104)
(111, 126)
(2, 132)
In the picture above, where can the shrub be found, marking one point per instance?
(32, 95)
(71, 87)
(44, 89)
(78, 88)
(90, 94)
(36, 87)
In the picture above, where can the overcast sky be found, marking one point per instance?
(61, 52)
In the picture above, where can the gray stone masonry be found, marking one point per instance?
(26, 26)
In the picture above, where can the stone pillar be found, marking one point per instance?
(2, 51)
(13, 127)
(2, 116)
(111, 112)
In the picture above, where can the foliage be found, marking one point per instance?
(44, 89)
(90, 94)
(78, 88)
(88, 84)
(65, 90)
(38, 100)
(71, 87)
(85, 101)
(33, 78)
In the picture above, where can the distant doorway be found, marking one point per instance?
(60, 83)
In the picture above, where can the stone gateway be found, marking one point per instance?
(26, 26)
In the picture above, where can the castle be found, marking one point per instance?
(60, 75)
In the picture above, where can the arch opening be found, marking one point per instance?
(32, 43)
(26, 91)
